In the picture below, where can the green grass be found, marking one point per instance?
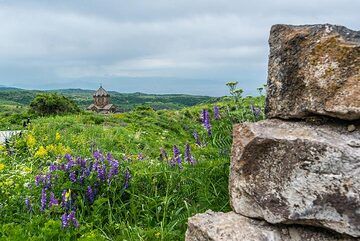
(160, 199)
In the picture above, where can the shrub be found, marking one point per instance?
(52, 104)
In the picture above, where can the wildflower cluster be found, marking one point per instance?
(177, 160)
(76, 181)
(205, 118)
(216, 112)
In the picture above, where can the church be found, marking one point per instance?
(102, 102)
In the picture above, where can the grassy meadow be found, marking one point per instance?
(137, 175)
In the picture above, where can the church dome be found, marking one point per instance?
(101, 92)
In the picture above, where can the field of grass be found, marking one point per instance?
(164, 167)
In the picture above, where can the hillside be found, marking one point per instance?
(164, 167)
(124, 101)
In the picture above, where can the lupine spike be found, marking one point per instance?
(97, 155)
(64, 220)
(206, 121)
(197, 138)
(216, 112)
(90, 194)
(114, 169)
(102, 172)
(71, 217)
(72, 177)
(127, 178)
(63, 198)
(53, 201)
(43, 199)
(177, 156)
(53, 167)
(28, 204)
(188, 157)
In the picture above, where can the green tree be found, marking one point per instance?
(52, 104)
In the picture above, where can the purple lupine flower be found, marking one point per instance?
(177, 156)
(71, 217)
(47, 181)
(97, 155)
(43, 199)
(82, 177)
(90, 194)
(109, 157)
(255, 111)
(101, 170)
(81, 162)
(38, 180)
(206, 121)
(64, 220)
(53, 201)
(163, 154)
(68, 157)
(69, 165)
(87, 171)
(127, 178)
(197, 138)
(53, 167)
(28, 204)
(216, 112)
(95, 166)
(72, 177)
(188, 157)
(114, 169)
(63, 198)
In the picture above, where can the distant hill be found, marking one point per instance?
(124, 101)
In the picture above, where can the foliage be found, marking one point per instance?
(124, 101)
(167, 185)
(13, 115)
(52, 104)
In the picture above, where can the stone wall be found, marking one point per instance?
(296, 175)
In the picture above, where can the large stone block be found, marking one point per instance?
(211, 226)
(295, 172)
(313, 70)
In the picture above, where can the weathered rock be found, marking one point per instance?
(234, 227)
(351, 128)
(314, 70)
(293, 172)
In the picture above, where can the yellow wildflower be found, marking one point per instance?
(51, 148)
(62, 150)
(41, 152)
(57, 136)
(2, 166)
(67, 195)
(30, 141)
(27, 169)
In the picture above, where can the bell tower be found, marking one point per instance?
(101, 97)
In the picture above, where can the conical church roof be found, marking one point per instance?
(101, 92)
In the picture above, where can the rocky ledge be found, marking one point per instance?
(230, 226)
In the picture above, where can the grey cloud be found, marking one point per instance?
(78, 43)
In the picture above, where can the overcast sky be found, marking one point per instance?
(183, 46)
